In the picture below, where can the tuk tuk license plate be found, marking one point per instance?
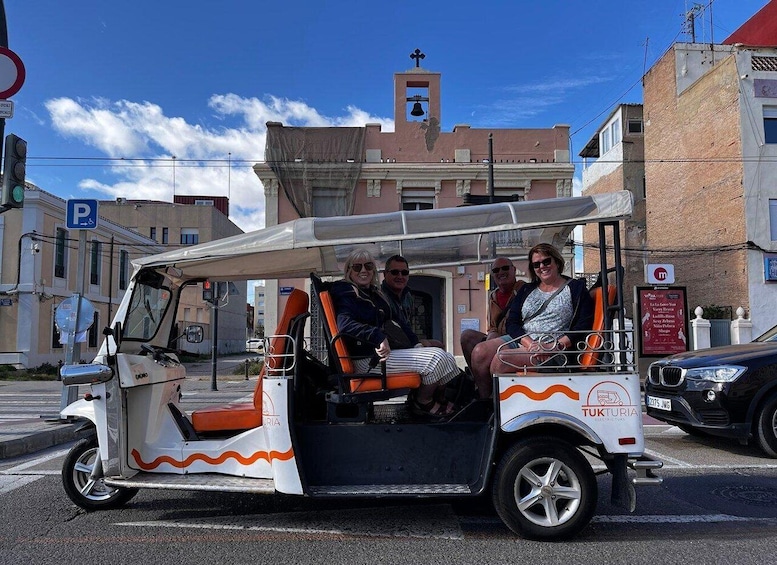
(659, 403)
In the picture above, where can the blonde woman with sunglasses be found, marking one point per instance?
(550, 304)
(361, 312)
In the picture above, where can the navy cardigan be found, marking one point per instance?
(360, 316)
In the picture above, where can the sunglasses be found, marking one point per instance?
(367, 267)
(544, 263)
(397, 272)
(503, 268)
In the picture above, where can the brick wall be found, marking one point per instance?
(694, 174)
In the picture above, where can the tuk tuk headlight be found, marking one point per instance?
(717, 374)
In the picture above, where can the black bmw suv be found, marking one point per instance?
(726, 391)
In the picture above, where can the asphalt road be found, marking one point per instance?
(718, 504)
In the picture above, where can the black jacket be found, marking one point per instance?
(360, 317)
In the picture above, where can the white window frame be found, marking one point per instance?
(185, 232)
(770, 116)
(328, 202)
(421, 199)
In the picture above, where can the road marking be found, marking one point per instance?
(36, 461)
(435, 523)
(12, 482)
(667, 459)
(680, 519)
(428, 522)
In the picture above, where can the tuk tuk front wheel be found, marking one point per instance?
(545, 489)
(87, 492)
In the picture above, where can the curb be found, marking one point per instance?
(39, 440)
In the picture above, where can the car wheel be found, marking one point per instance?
(545, 489)
(766, 426)
(81, 488)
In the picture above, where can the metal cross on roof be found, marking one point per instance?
(417, 55)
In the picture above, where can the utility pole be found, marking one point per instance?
(3, 43)
(490, 168)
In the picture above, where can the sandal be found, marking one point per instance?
(441, 397)
(432, 409)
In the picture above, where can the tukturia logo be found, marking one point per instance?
(269, 415)
(609, 400)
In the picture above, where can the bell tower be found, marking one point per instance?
(416, 95)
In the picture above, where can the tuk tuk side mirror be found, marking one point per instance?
(194, 334)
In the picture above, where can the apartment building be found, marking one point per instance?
(361, 170)
(708, 148)
(190, 220)
(39, 268)
(613, 159)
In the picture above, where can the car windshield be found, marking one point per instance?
(770, 335)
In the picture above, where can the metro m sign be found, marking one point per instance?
(81, 214)
(660, 275)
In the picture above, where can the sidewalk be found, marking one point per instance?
(43, 428)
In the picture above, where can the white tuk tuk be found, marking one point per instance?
(315, 428)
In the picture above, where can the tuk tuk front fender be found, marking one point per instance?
(541, 417)
(80, 409)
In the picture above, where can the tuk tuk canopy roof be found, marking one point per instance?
(426, 238)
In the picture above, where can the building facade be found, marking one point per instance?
(190, 220)
(613, 159)
(709, 155)
(40, 265)
(331, 171)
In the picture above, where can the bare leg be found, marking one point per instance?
(511, 360)
(469, 339)
(482, 356)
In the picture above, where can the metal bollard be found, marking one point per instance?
(247, 361)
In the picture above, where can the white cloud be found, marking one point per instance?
(157, 154)
(522, 102)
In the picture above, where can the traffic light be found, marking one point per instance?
(207, 291)
(13, 171)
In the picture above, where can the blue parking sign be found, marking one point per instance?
(81, 214)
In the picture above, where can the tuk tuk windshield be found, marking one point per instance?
(145, 312)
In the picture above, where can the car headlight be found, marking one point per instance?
(719, 374)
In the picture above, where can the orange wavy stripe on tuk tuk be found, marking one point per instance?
(543, 395)
(211, 460)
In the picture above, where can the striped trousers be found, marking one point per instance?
(435, 365)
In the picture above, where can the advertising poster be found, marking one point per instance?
(663, 321)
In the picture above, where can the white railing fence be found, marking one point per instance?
(741, 329)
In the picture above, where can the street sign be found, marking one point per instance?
(659, 274)
(81, 214)
(6, 302)
(6, 109)
(74, 315)
(285, 290)
(12, 73)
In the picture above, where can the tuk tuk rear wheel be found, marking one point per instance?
(545, 489)
(79, 486)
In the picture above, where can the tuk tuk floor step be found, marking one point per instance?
(200, 481)
(398, 490)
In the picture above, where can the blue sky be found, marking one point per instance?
(145, 81)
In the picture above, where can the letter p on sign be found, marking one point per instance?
(81, 214)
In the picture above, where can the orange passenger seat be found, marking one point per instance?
(238, 416)
(596, 338)
(361, 383)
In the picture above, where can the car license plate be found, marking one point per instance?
(659, 403)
